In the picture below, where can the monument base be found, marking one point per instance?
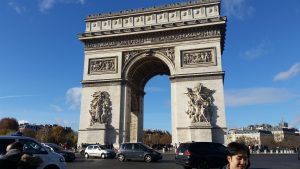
(93, 134)
(201, 132)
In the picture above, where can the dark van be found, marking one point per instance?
(201, 155)
(137, 151)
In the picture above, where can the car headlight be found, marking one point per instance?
(61, 159)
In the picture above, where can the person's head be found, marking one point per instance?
(238, 156)
(15, 145)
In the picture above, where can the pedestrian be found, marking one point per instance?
(11, 158)
(238, 156)
(15, 158)
(29, 162)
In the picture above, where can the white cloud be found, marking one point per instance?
(255, 96)
(47, 4)
(56, 108)
(81, 1)
(67, 123)
(237, 8)
(296, 122)
(23, 121)
(62, 122)
(255, 52)
(73, 97)
(292, 72)
(17, 7)
(14, 96)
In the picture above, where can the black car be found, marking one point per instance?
(201, 155)
(299, 155)
(137, 151)
(68, 155)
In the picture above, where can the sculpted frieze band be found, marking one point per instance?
(198, 57)
(153, 38)
(103, 65)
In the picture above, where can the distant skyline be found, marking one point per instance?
(42, 62)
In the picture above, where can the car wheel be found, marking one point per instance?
(121, 157)
(82, 152)
(86, 155)
(202, 165)
(148, 158)
(102, 156)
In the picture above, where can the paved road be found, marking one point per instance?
(261, 161)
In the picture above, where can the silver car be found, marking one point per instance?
(99, 151)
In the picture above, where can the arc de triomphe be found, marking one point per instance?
(123, 50)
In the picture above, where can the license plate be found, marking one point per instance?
(180, 153)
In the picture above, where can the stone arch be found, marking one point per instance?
(121, 57)
(137, 71)
(157, 61)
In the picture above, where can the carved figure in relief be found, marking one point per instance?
(100, 108)
(102, 65)
(197, 57)
(199, 105)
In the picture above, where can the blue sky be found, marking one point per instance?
(41, 62)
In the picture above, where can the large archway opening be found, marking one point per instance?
(157, 103)
(157, 112)
(146, 67)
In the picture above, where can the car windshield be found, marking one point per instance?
(148, 147)
(55, 147)
(32, 147)
(102, 147)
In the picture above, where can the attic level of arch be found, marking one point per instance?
(150, 28)
(155, 16)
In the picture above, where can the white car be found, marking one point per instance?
(99, 151)
(51, 160)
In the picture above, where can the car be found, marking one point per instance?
(299, 155)
(68, 155)
(81, 149)
(51, 160)
(98, 150)
(201, 155)
(137, 151)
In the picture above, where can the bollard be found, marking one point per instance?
(164, 150)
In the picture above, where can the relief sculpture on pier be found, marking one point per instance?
(200, 104)
(100, 108)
